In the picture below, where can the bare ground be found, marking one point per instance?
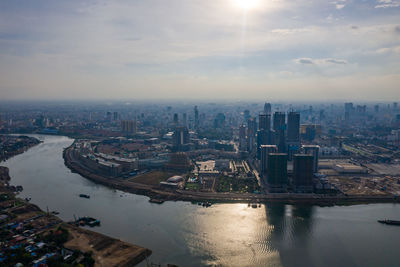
(106, 251)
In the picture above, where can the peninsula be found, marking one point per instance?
(159, 183)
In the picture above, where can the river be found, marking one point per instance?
(225, 234)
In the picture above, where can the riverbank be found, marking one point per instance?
(184, 195)
(31, 221)
(105, 251)
(12, 145)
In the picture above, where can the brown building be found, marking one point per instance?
(179, 161)
(128, 126)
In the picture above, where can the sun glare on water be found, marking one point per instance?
(247, 4)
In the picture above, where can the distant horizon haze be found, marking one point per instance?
(193, 101)
(230, 50)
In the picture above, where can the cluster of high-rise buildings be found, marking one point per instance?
(275, 142)
(272, 129)
(274, 168)
(128, 126)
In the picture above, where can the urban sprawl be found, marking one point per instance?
(227, 151)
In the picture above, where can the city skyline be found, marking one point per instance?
(199, 133)
(227, 49)
(289, 168)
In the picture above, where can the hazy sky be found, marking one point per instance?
(200, 49)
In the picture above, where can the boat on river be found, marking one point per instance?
(207, 204)
(156, 201)
(390, 222)
(84, 196)
(82, 221)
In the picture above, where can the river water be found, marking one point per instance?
(186, 234)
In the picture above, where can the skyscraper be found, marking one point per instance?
(242, 138)
(264, 132)
(280, 128)
(277, 179)
(109, 116)
(267, 108)
(184, 119)
(293, 130)
(279, 121)
(115, 116)
(265, 151)
(281, 141)
(251, 133)
(314, 151)
(348, 108)
(292, 149)
(346, 116)
(263, 138)
(321, 115)
(264, 122)
(219, 120)
(180, 137)
(303, 173)
(128, 126)
(246, 115)
(196, 118)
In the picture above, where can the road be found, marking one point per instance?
(153, 191)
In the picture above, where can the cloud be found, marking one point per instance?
(340, 6)
(320, 61)
(158, 46)
(286, 73)
(386, 50)
(336, 61)
(292, 31)
(304, 61)
(387, 3)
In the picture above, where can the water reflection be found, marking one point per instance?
(232, 235)
(236, 235)
(291, 230)
(223, 235)
(302, 222)
(275, 215)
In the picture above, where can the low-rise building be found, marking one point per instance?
(349, 169)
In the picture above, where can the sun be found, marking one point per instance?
(247, 4)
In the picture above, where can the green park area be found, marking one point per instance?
(233, 184)
(192, 186)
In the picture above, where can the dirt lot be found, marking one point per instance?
(107, 149)
(385, 169)
(106, 251)
(153, 177)
(367, 185)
